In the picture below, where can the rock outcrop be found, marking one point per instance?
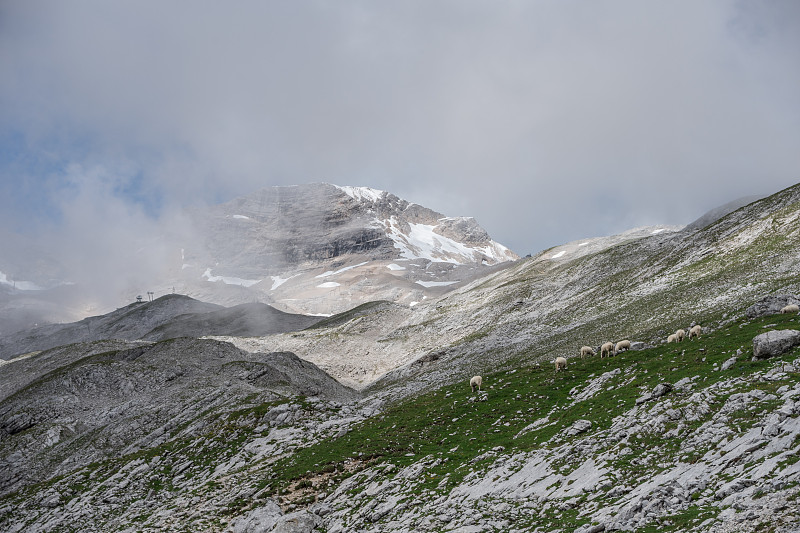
(774, 343)
(771, 305)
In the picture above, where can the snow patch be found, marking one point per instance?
(277, 281)
(584, 243)
(435, 283)
(229, 280)
(422, 242)
(658, 231)
(361, 193)
(457, 218)
(345, 269)
(395, 267)
(559, 254)
(328, 285)
(242, 217)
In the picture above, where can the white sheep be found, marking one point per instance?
(791, 308)
(476, 383)
(622, 345)
(606, 349)
(672, 338)
(587, 350)
(695, 331)
(680, 334)
(561, 364)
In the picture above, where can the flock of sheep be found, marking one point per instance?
(609, 348)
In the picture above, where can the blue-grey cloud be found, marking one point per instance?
(547, 121)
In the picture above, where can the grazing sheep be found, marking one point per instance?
(680, 334)
(606, 349)
(622, 345)
(476, 383)
(695, 331)
(561, 364)
(791, 308)
(587, 350)
(672, 338)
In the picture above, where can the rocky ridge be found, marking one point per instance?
(168, 317)
(94, 404)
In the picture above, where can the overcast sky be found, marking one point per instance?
(548, 121)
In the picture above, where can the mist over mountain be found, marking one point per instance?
(314, 249)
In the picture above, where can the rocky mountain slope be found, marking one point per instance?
(127, 323)
(555, 302)
(244, 320)
(94, 405)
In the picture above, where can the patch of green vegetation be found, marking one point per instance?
(256, 411)
(692, 516)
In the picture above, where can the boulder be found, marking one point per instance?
(771, 305)
(661, 389)
(658, 391)
(299, 522)
(259, 520)
(773, 343)
(580, 426)
(638, 346)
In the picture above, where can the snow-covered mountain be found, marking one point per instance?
(322, 249)
(314, 249)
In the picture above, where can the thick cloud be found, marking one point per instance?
(547, 121)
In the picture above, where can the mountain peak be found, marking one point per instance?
(369, 244)
(362, 194)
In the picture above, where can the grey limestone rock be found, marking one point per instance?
(637, 346)
(658, 391)
(270, 519)
(597, 528)
(259, 520)
(298, 522)
(771, 305)
(580, 426)
(661, 389)
(774, 343)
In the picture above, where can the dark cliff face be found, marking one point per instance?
(354, 242)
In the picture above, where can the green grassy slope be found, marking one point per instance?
(449, 418)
